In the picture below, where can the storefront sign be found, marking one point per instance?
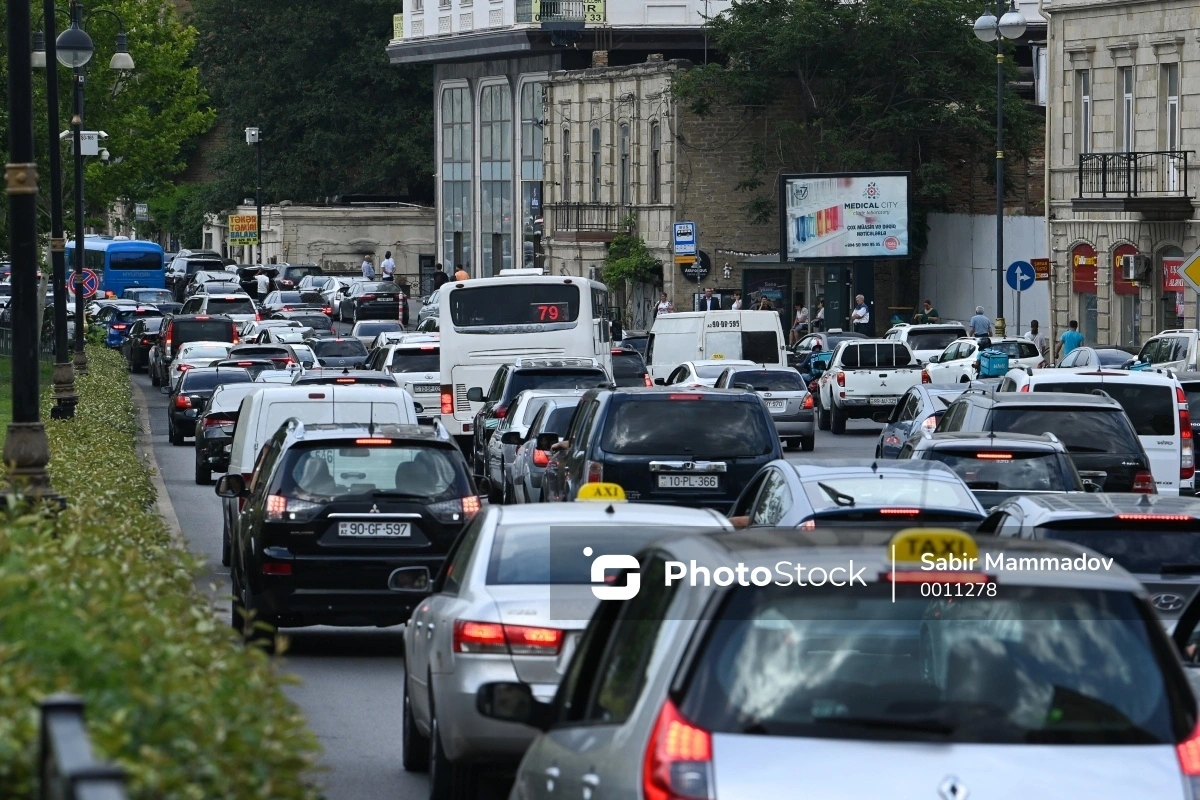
(1083, 269)
(1172, 275)
(1041, 268)
(397, 26)
(243, 229)
(850, 215)
(697, 268)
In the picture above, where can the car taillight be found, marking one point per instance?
(147, 341)
(899, 512)
(447, 400)
(367, 297)
(595, 472)
(925, 376)
(327, 310)
(808, 402)
(276, 568)
(292, 509)
(1188, 752)
(456, 510)
(1143, 483)
(119, 326)
(1187, 444)
(648, 381)
(286, 308)
(184, 367)
(183, 401)
(1025, 388)
(500, 412)
(929, 423)
(540, 458)
(678, 762)
(216, 422)
(841, 379)
(493, 637)
(686, 396)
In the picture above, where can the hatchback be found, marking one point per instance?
(343, 353)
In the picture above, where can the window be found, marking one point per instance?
(418, 6)
(595, 165)
(1083, 98)
(476, 306)
(773, 502)
(626, 187)
(565, 180)
(702, 429)
(1093, 431)
(1151, 408)
(655, 163)
(495, 178)
(457, 177)
(532, 146)
(1170, 118)
(456, 562)
(1125, 78)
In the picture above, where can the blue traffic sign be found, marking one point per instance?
(1020, 275)
(685, 238)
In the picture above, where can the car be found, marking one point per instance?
(194, 355)
(303, 355)
(308, 318)
(927, 339)
(1190, 381)
(786, 397)
(215, 425)
(430, 307)
(186, 264)
(197, 281)
(251, 330)
(331, 512)
(137, 345)
(683, 686)
(636, 340)
(865, 379)
(119, 321)
(415, 364)
(1094, 428)
(282, 300)
(959, 362)
(179, 329)
(280, 356)
(693, 336)
(1002, 465)
(255, 366)
(715, 443)
(367, 331)
(1177, 349)
(284, 336)
(523, 479)
(340, 352)
(629, 368)
(291, 275)
(855, 492)
(1153, 399)
(332, 293)
(511, 432)
(697, 374)
(373, 300)
(827, 340)
(1096, 358)
(312, 284)
(918, 409)
(1155, 538)
(149, 297)
(343, 377)
(511, 604)
(189, 394)
(238, 307)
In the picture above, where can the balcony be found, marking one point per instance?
(1153, 184)
(586, 222)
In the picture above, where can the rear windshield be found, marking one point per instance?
(376, 328)
(933, 340)
(198, 381)
(534, 303)
(1081, 430)
(152, 325)
(315, 280)
(1151, 409)
(769, 380)
(628, 364)
(132, 316)
(524, 554)
(704, 428)
(299, 272)
(290, 297)
(237, 306)
(1151, 548)
(1034, 665)
(882, 354)
(381, 288)
(422, 360)
(555, 379)
(259, 352)
(1007, 470)
(205, 351)
(227, 400)
(399, 471)
(1113, 358)
(339, 348)
(201, 331)
(135, 260)
(1192, 392)
(888, 491)
(1015, 349)
(316, 321)
(149, 295)
(195, 265)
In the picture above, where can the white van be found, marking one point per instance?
(263, 412)
(755, 336)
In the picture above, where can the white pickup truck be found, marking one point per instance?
(866, 377)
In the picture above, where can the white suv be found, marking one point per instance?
(238, 307)
(1174, 349)
(927, 340)
(959, 362)
(1153, 400)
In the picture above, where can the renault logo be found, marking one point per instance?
(1167, 602)
(952, 789)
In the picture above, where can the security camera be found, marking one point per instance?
(104, 155)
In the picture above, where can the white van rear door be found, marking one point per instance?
(385, 413)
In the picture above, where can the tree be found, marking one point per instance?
(882, 85)
(336, 116)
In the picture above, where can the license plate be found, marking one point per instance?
(388, 530)
(777, 405)
(426, 388)
(688, 482)
(884, 401)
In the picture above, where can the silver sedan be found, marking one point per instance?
(786, 397)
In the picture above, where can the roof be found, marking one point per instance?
(857, 466)
(613, 513)
(1103, 374)
(360, 430)
(722, 362)
(663, 391)
(1039, 399)
(1104, 505)
(1010, 441)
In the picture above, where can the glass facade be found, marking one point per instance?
(456, 175)
(532, 146)
(495, 178)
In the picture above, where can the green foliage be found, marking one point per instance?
(181, 210)
(336, 116)
(629, 259)
(99, 602)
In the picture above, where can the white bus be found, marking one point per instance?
(487, 322)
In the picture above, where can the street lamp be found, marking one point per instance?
(254, 137)
(1009, 25)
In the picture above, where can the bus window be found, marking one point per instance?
(514, 304)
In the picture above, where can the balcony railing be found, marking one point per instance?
(586, 221)
(1127, 175)
(586, 11)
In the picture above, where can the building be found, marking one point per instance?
(1121, 138)
(491, 62)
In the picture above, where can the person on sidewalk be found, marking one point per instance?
(1040, 341)
(736, 305)
(860, 317)
(664, 306)
(388, 267)
(927, 315)
(980, 325)
(800, 325)
(461, 274)
(440, 278)
(1071, 339)
(368, 271)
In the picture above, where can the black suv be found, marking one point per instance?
(331, 511)
(1093, 427)
(179, 329)
(1157, 539)
(512, 379)
(137, 344)
(191, 394)
(663, 445)
(290, 274)
(629, 368)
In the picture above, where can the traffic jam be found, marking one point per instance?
(697, 561)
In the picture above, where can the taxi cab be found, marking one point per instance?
(953, 667)
(509, 605)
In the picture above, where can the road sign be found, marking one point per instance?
(88, 280)
(685, 238)
(1190, 271)
(141, 212)
(1041, 268)
(1020, 275)
(684, 259)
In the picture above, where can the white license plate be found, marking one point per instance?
(688, 482)
(777, 405)
(884, 401)
(383, 530)
(426, 388)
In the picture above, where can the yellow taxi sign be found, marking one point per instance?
(717, 356)
(911, 545)
(601, 492)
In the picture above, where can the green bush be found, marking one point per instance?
(97, 601)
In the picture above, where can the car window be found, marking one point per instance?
(426, 474)
(778, 380)
(1080, 430)
(523, 379)
(911, 406)
(950, 353)
(628, 364)
(581, 423)
(1154, 548)
(678, 376)
(1151, 408)
(558, 419)
(998, 470)
(1149, 351)
(746, 499)
(1192, 392)
(888, 490)
(339, 348)
(219, 305)
(427, 359)
(456, 563)
(1071, 358)
(202, 380)
(702, 428)
(932, 340)
(525, 555)
(952, 420)
(497, 386)
(773, 501)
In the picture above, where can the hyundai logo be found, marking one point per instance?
(1167, 602)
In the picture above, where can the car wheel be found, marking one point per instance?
(807, 444)
(203, 470)
(837, 420)
(154, 381)
(173, 435)
(822, 418)
(415, 756)
(447, 780)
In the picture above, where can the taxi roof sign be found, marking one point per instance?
(601, 492)
(909, 546)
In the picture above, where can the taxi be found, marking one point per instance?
(954, 667)
(510, 605)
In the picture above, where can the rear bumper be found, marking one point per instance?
(802, 424)
(184, 421)
(466, 734)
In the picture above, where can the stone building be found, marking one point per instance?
(1121, 138)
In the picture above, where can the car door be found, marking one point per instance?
(772, 503)
(571, 475)
(940, 371)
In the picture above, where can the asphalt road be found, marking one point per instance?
(349, 679)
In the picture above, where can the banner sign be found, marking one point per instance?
(848, 215)
(243, 229)
(1041, 268)
(1173, 275)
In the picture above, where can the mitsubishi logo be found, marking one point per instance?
(1167, 602)
(428, 377)
(374, 509)
(952, 789)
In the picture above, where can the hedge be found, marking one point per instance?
(97, 601)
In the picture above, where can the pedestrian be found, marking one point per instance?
(980, 325)
(927, 314)
(764, 304)
(1070, 339)
(736, 305)
(1040, 341)
(263, 282)
(800, 326)
(860, 317)
(368, 271)
(440, 278)
(388, 267)
(461, 274)
(818, 323)
(708, 302)
(664, 306)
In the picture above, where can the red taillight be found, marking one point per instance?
(616, 351)
(368, 442)
(1188, 752)
(276, 568)
(184, 367)
(929, 423)
(367, 297)
(1154, 517)
(678, 762)
(1025, 388)
(346, 380)
(119, 326)
(841, 379)
(1187, 445)
(899, 512)
(1143, 483)
(500, 412)
(808, 402)
(147, 341)
(647, 379)
(286, 308)
(327, 310)
(493, 637)
(447, 400)
(540, 458)
(994, 456)
(925, 377)
(216, 422)
(685, 397)
(471, 506)
(182, 401)
(595, 472)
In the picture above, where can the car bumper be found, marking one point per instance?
(184, 420)
(215, 451)
(801, 424)
(379, 311)
(466, 734)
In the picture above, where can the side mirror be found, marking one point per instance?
(660, 381)
(231, 486)
(934, 359)
(164, 390)
(410, 580)
(546, 440)
(511, 437)
(513, 702)
(1091, 487)
(740, 522)
(475, 394)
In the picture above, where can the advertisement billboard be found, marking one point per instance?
(844, 215)
(243, 229)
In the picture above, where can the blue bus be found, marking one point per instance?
(121, 263)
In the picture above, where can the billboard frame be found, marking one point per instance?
(785, 178)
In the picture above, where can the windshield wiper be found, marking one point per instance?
(923, 724)
(840, 498)
(1179, 568)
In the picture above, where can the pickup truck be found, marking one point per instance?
(865, 378)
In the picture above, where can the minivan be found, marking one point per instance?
(755, 336)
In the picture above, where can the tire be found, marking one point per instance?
(823, 421)
(173, 435)
(203, 470)
(259, 630)
(837, 420)
(807, 444)
(154, 381)
(226, 542)
(447, 780)
(415, 754)
(495, 493)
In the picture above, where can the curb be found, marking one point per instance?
(162, 499)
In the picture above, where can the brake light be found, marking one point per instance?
(1143, 483)
(994, 456)
(841, 379)
(276, 506)
(428, 348)
(540, 458)
(257, 317)
(327, 310)
(286, 308)
(119, 326)
(146, 340)
(202, 316)
(1155, 517)
(685, 397)
(647, 380)
(493, 637)
(184, 367)
(1188, 752)
(500, 412)
(183, 401)
(678, 762)
(274, 568)
(1187, 445)
(929, 423)
(471, 506)
(925, 376)
(899, 512)
(216, 422)
(367, 297)
(373, 441)
(808, 402)
(616, 351)
(345, 380)
(1025, 388)
(595, 472)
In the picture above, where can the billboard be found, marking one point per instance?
(846, 215)
(243, 229)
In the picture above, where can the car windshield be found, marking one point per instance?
(203, 351)
(427, 359)
(555, 379)
(1192, 392)
(998, 469)
(317, 281)
(628, 364)
(1153, 547)
(219, 305)
(195, 265)
(778, 380)
(887, 490)
(1150, 408)
(422, 473)
(933, 340)
(525, 555)
(119, 259)
(202, 380)
(703, 427)
(376, 328)
(1082, 430)
(304, 354)
(514, 304)
(339, 348)
(289, 297)
(1034, 665)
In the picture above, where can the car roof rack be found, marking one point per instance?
(1051, 437)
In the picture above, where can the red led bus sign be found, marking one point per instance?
(550, 312)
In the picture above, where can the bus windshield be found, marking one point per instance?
(514, 304)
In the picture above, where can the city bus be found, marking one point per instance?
(521, 313)
(121, 263)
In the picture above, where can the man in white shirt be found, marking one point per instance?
(367, 269)
(264, 283)
(388, 266)
(1040, 341)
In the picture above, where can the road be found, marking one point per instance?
(349, 679)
